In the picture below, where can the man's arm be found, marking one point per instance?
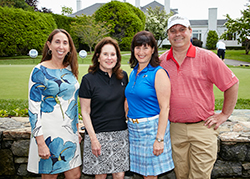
(230, 99)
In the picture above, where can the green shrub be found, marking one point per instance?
(197, 42)
(125, 20)
(22, 30)
(212, 39)
(63, 22)
(125, 43)
(13, 107)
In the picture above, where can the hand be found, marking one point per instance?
(158, 148)
(79, 137)
(43, 151)
(217, 119)
(96, 148)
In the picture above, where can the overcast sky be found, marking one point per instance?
(192, 9)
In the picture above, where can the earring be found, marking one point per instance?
(68, 54)
(49, 52)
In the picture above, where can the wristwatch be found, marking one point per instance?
(159, 140)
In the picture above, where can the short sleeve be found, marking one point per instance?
(219, 73)
(85, 88)
(125, 78)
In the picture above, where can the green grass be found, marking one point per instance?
(239, 55)
(243, 75)
(15, 72)
(26, 60)
(14, 80)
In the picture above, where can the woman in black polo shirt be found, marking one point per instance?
(106, 148)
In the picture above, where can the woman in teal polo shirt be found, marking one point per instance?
(148, 95)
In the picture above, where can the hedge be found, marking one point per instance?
(22, 30)
(63, 22)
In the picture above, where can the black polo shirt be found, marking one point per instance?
(107, 100)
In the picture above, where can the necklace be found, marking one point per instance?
(138, 71)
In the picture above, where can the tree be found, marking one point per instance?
(28, 5)
(45, 10)
(32, 3)
(8, 3)
(16, 4)
(89, 30)
(125, 21)
(241, 26)
(156, 22)
(22, 30)
(66, 10)
(212, 39)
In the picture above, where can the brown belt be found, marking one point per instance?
(193, 122)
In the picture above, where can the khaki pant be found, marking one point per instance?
(194, 150)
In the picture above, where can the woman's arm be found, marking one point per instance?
(36, 87)
(163, 90)
(85, 110)
(126, 107)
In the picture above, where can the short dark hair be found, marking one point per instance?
(144, 38)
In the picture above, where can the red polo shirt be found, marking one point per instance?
(192, 97)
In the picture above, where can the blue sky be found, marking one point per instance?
(192, 9)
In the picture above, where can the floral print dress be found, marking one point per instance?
(53, 113)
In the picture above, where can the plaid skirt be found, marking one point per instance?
(114, 156)
(141, 139)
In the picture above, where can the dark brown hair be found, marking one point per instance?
(98, 48)
(144, 38)
(70, 58)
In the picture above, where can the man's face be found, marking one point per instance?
(179, 36)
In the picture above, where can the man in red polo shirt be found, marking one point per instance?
(193, 71)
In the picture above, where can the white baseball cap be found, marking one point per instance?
(178, 19)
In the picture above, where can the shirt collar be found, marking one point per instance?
(103, 73)
(190, 53)
(148, 67)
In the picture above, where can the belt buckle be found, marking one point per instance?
(135, 121)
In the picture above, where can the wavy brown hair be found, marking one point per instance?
(98, 48)
(70, 58)
(144, 38)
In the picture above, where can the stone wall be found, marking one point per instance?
(233, 155)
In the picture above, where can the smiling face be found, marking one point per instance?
(143, 54)
(107, 58)
(179, 36)
(59, 46)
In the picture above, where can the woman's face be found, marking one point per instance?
(107, 58)
(143, 54)
(59, 46)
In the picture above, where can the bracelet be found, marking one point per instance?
(159, 140)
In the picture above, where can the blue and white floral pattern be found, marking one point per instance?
(53, 113)
(61, 154)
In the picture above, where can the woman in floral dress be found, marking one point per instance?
(53, 110)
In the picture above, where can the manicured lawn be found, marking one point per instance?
(26, 60)
(236, 55)
(15, 72)
(243, 74)
(14, 80)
